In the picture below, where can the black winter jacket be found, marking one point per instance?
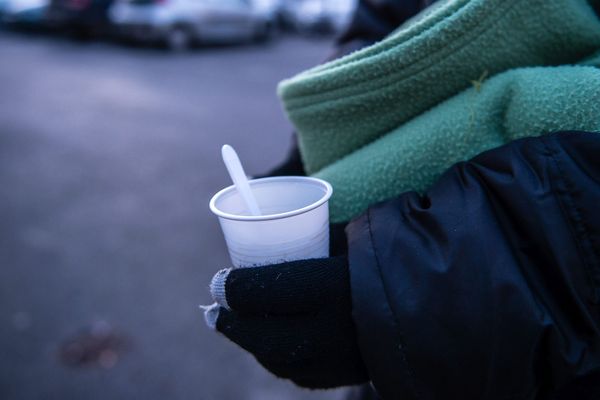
(488, 286)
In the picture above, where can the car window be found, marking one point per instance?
(226, 3)
(235, 3)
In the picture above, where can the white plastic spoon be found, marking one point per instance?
(236, 172)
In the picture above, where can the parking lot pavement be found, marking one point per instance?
(108, 157)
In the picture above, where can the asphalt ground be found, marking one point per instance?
(109, 155)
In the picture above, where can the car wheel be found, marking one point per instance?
(178, 39)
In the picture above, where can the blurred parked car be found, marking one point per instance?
(23, 12)
(309, 16)
(269, 7)
(84, 17)
(180, 23)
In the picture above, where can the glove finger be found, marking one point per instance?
(290, 288)
(314, 351)
(271, 339)
(331, 373)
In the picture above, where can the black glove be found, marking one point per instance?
(295, 318)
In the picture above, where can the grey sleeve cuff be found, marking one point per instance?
(217, 287)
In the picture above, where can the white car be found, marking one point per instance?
(180, 23)
(23, 12)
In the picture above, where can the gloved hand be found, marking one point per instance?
(295, 318)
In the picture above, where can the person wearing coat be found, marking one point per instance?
(471, 180)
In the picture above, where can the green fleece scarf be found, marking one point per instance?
(366, 124)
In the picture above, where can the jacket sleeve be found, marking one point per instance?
(375, 19)
(487, 286)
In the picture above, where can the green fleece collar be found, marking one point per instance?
(356, 117)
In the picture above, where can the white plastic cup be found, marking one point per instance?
(294, 224)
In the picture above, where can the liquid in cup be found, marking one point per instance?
(294, 224)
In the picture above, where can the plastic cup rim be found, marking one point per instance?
(269, 217)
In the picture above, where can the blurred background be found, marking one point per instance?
(112, 115)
